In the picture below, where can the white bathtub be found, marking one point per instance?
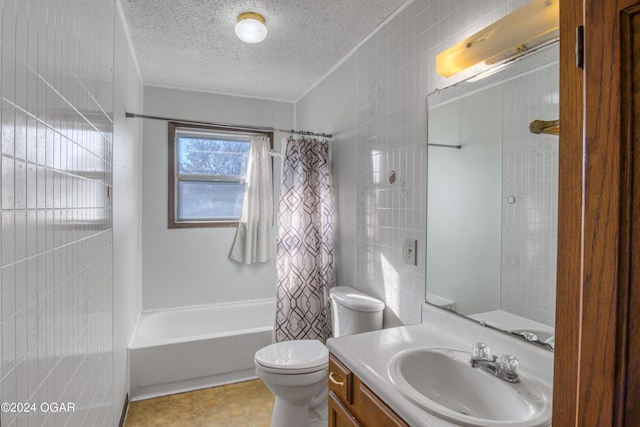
(185, 349)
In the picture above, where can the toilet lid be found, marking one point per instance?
(298, 355)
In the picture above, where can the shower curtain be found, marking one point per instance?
(304, 250)
(254, 237)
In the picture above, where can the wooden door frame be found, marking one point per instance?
(596, 370)
(569, 280)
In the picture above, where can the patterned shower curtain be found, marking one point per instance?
(304, 250)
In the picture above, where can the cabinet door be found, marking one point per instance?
(351, 403)
(339, 415)
(340, 380)
(370, 410)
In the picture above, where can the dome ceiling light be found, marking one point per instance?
(251, 27)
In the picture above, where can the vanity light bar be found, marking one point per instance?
(533, 24)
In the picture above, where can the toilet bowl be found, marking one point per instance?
(296, 371)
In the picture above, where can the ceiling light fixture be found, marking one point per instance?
(251, 28)
(533, 24)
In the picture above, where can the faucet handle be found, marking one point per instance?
(481, 351)
(508, 364)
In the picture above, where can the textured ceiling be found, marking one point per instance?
(191, 44)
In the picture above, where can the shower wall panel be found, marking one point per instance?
(56, 236)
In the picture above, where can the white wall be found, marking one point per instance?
(183, 267)
(127, 149)
(331, 108)
(464, 201)
(56, 246)
(394, 72)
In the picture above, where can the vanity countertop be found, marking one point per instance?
(368, 355)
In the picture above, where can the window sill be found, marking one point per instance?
(204, 224)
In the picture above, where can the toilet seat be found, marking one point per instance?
(293, 357)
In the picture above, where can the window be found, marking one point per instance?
(207, 174)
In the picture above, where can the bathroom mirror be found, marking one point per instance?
(493, 197)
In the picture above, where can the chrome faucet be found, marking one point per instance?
(504, 367)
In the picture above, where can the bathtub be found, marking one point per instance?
(178, 350)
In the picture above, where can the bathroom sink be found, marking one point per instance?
(442, 382)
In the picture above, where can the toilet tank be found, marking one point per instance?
(353, 312)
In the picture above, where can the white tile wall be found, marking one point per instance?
(530, 225)
(56, 263)
(396, 71)
(126, 207)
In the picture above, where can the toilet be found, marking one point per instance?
(354, 312)
(296, 371)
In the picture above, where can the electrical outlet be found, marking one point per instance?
(409, 251)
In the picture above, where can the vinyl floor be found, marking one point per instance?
(245, 404)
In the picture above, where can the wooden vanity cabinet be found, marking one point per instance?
(351, 403)
(339, 415)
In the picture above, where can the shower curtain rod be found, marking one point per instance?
(229, 125)
(457, 147)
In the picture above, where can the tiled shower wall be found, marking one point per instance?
(530, 177)
(56, 265)
(395, 73)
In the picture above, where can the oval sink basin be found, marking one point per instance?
(442, 382)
